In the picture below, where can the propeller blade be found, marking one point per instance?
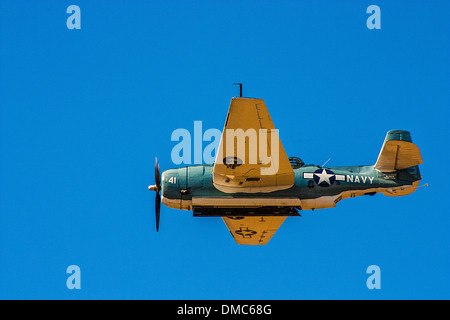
(157, 188)
(157, 174)
(157, 209)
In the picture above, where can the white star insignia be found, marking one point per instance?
(324, 177)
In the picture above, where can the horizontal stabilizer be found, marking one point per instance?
(398, 152)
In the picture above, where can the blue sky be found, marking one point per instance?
(84, 113)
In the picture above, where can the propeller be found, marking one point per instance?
(157, 187)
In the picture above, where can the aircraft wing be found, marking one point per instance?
(251, 157)
(253, 230)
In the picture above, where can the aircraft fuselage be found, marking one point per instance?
(315, 187)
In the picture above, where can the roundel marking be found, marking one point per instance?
(232, 162)
(324, 177)
(245, 232)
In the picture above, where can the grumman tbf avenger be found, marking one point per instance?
(253, 185)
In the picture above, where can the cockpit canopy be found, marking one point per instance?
(296, 162)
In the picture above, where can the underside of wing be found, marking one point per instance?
(253, 230)
(251, 157)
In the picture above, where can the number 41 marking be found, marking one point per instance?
(173, 180)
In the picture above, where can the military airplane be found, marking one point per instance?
(253, 185)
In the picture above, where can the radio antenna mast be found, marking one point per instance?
(240, 88)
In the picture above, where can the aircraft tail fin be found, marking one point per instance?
(398, 152)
